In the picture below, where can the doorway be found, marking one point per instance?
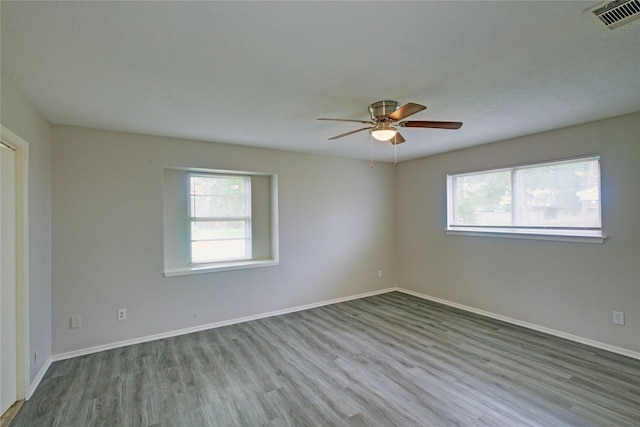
(13, 269)
(8, 317)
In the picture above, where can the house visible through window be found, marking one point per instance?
(552, 198)
(219, 217)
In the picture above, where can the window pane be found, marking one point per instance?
(218, 185)
(483, 199)
(217, 250)
(218, 206)
(219, 196)
(220, 210)
(558, 195)
(558, 198)
(218, 230)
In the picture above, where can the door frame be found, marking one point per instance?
(22, 258)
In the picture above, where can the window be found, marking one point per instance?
(560, 198)
(217, 220)
(219, 217)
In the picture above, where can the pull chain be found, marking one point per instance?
(371, 144)
(395, 150)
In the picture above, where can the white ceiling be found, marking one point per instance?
(260, 73)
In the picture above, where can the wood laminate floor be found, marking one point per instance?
(386, 360)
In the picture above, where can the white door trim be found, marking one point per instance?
(22, 257)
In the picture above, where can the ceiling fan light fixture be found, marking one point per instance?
(386, 116)
(383, 131)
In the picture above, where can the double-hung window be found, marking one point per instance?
(558, 200)
(218, 220)
(219, 217)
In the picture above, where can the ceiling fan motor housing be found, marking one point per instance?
(381, 109)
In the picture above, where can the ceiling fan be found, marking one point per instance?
(386, 116)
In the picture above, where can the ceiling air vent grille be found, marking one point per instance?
(614, 14)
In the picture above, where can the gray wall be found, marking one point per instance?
(569, 287)
(21, 117)
(337, 229)
(338, 225)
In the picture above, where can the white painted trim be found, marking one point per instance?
(543, 329)
(519, 234)
(22, 258)
(36, 381)
(169, 334)
(223, 266)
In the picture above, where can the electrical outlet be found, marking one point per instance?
(618, 317)
(122, 314)
(74, 322)
(379, 273)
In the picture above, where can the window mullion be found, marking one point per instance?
(220, 218)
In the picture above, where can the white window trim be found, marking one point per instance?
(220, 266)
(555, 235)
(531, 233)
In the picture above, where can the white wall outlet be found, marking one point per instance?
(618, 317)
(74, 322)
(379, 273)
(122, 314)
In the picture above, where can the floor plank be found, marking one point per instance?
(386, 360)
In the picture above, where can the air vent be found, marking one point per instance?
(614, 14)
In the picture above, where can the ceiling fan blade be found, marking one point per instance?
(405, 111)
(348, 120)
(348, 133)
(429, 124)
(398, 139)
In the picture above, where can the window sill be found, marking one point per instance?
(223, 266)
(558, 236)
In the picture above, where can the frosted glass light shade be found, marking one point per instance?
(383, 134)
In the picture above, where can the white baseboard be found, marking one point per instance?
(169, 334)
(543, 329)
(36, 381)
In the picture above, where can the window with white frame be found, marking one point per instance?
(219, 217)
(558, 198)
(218, 220)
